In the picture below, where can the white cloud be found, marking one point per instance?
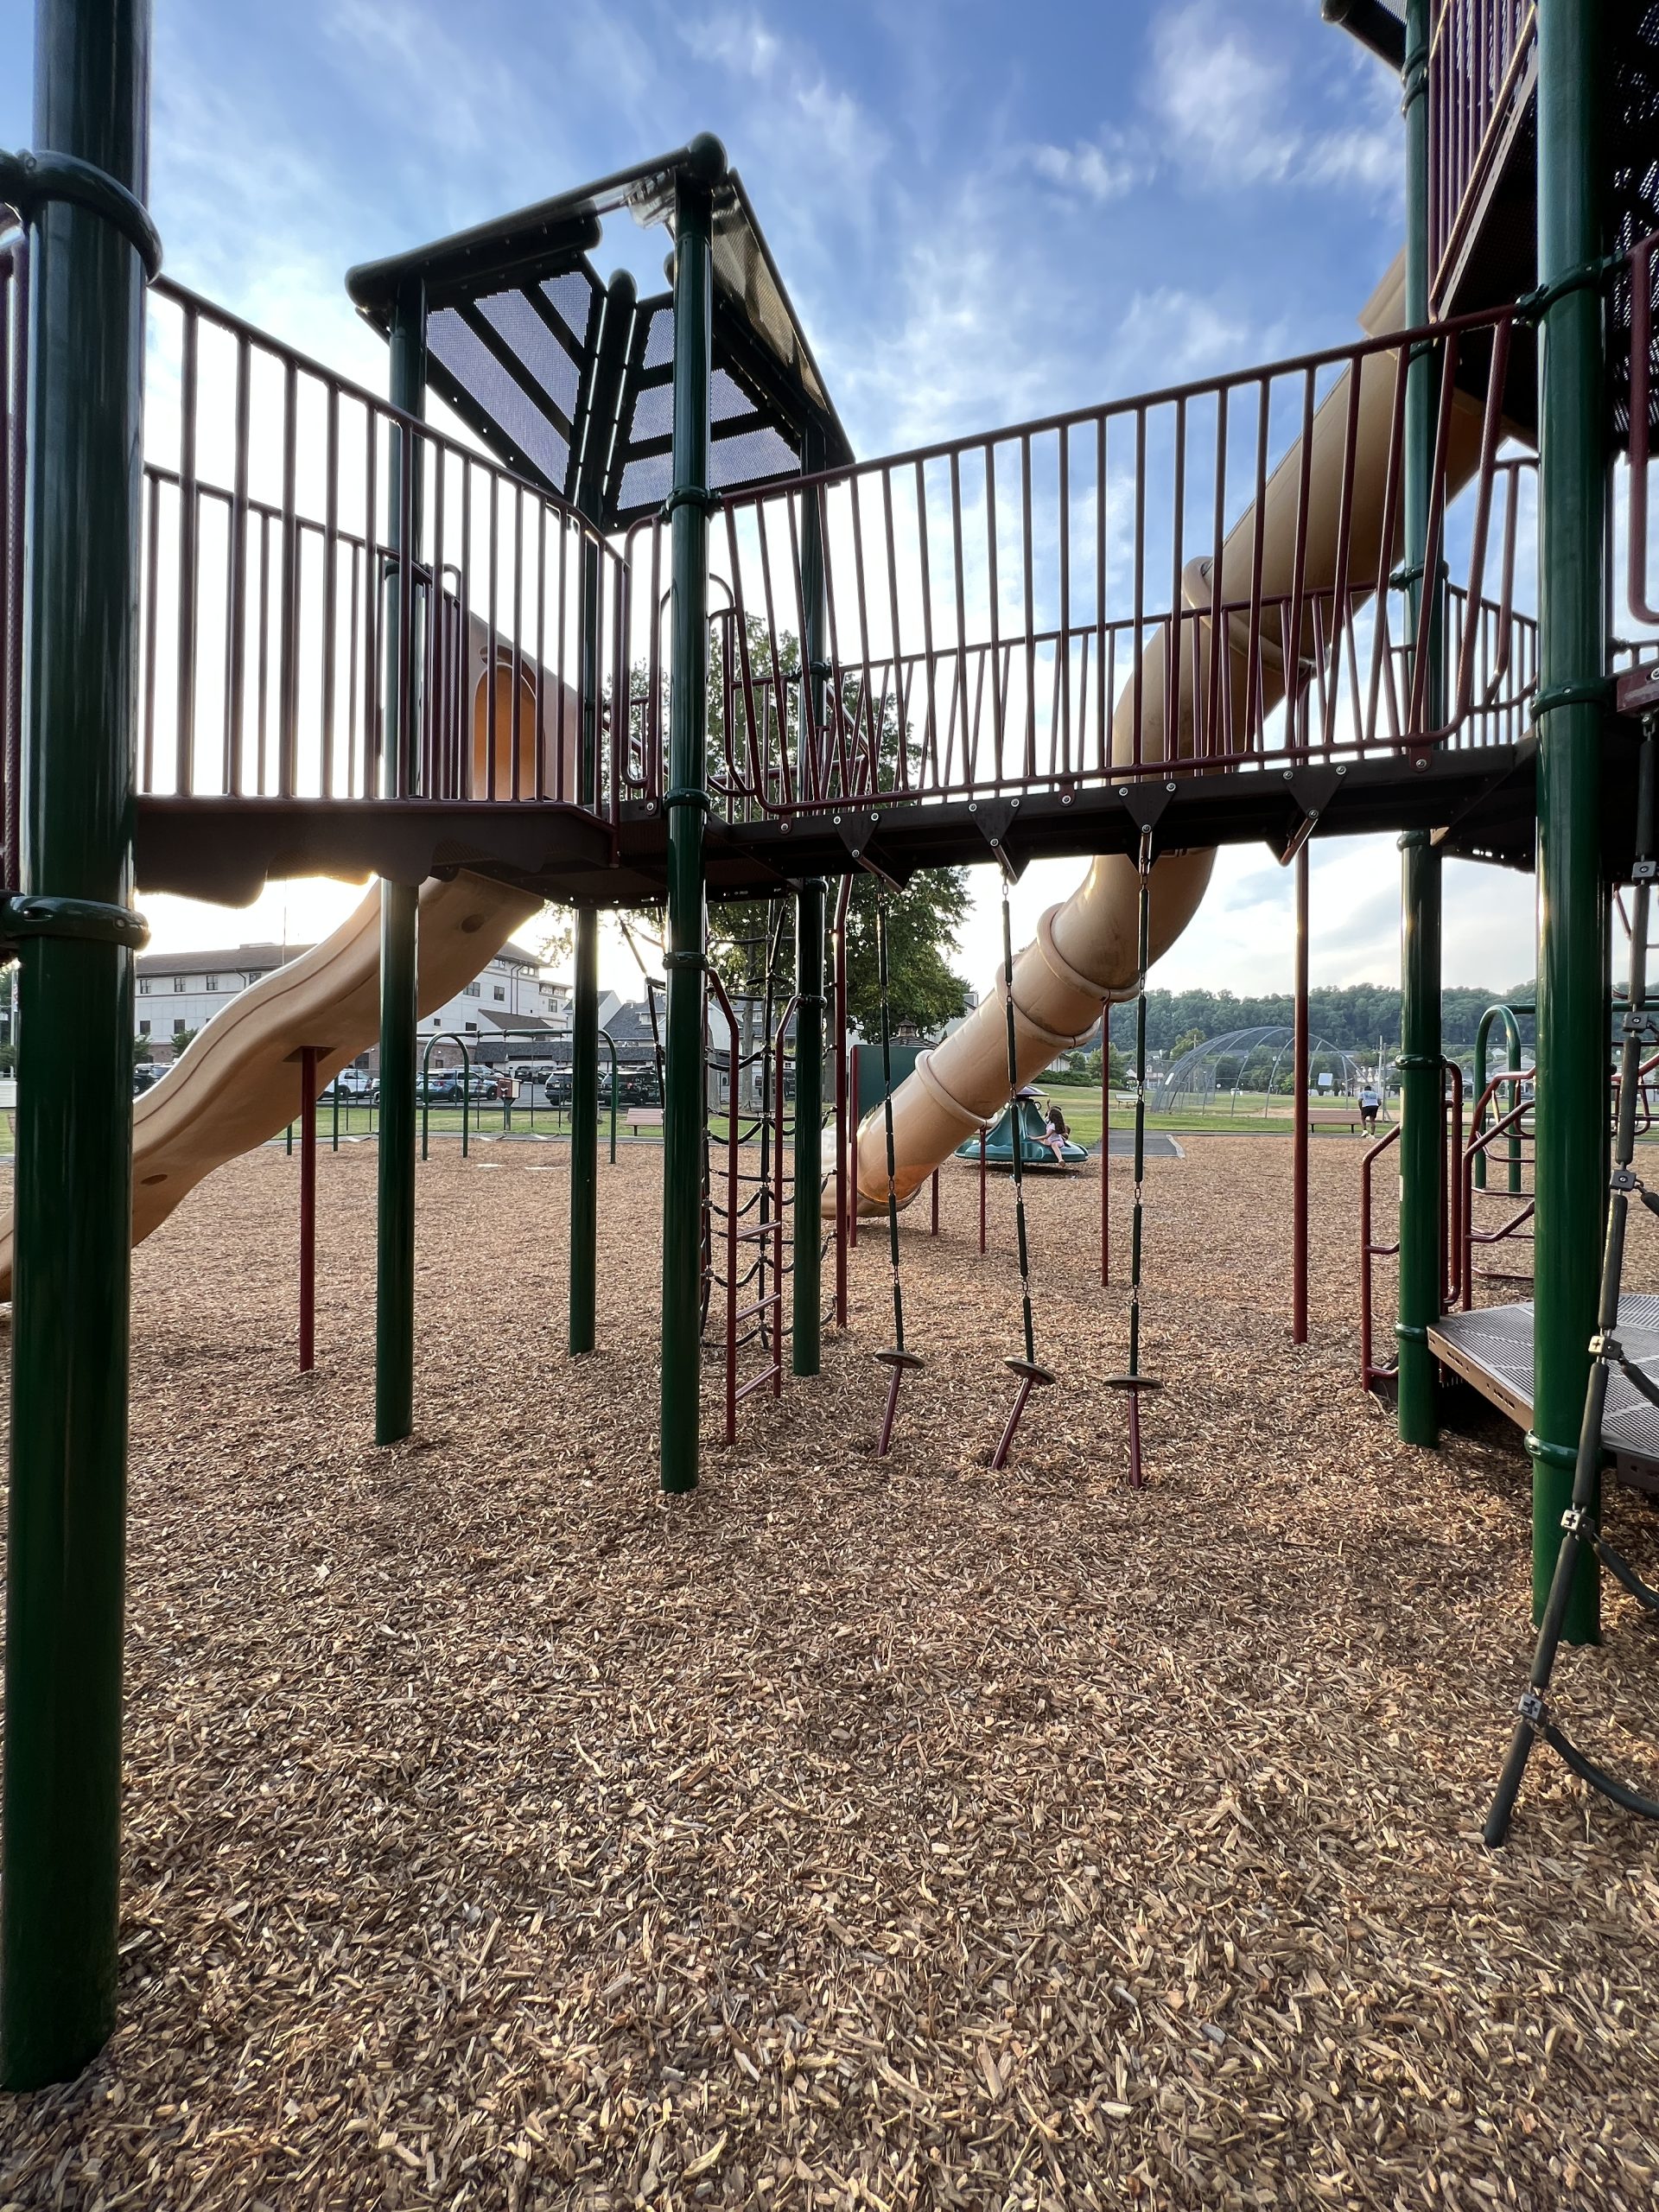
(1098, 169)
(818, 132)
(1223, 102)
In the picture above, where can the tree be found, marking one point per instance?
(922, 923)
(1188, 1041)
(141, 1050)
(180, 1038)
(751, 941)
(1120, 1067)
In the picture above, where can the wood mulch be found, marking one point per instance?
(851, 1834)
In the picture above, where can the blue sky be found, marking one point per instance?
(983, 212)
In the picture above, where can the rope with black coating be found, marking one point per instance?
(894, 1357)
(1027, 1369)
(1579, 1528)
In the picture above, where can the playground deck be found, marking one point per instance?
(225, 849)
(849, 1832)
(1491, 1348)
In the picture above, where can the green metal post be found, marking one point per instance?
(684, 1126)
(807, 1323)
(1571, 1115)
(808, 1308)
(73, 1202)
(394, 1334)
(598, 437)
(584, 1133)
(1421, 1079)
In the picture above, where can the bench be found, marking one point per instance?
(645, 1117)
(1335, 1117)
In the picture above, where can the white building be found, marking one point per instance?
(178, 993)
(509, 1011)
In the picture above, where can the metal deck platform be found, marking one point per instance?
(1491, 1349)
(228, 848)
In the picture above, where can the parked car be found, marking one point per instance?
(353, 1087)
(557, 1088)
(145, 1075)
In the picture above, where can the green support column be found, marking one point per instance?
(808, 1330)
(686, 800)
(1419, 1062)
(1572, 1036)
(598, 434)
(394, 1331)
(584, 1133)
(808, 1320)
(73, 1204)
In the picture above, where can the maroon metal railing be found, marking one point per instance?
(277, 498)
(14, 361)
(1508, 1205)
(1072, 601)
(1374, 1247)
(1481, 68)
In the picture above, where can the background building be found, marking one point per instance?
(180, 992)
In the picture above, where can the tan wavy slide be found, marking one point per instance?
(1085, 948)
(237, 1085)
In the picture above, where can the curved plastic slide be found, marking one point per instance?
(1085, 950)
(237, 1083)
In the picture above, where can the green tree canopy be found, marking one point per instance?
(922, 923)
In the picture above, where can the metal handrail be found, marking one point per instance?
(952, 674)
(302, 582)
(1478, 53)
(1512, 1125)
(446, 1036)
(1372, 1371)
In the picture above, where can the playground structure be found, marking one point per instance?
(995, 1145)
(1269, 606)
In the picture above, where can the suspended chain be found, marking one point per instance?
(1580, 1528)
(1029, 1372)
(894, 1357)
(1017, 1147)
(1143, 961)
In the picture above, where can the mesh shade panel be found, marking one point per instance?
(752, 457)
(646, 484)
(659, 339)
(478, 372)
(1634, 135)
(572, 297)
(554, 369)
(653, 414)
(727, 399)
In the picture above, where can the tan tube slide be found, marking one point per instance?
(1085, 948)
(237, 1083)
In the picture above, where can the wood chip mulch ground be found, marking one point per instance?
(851, 1834)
